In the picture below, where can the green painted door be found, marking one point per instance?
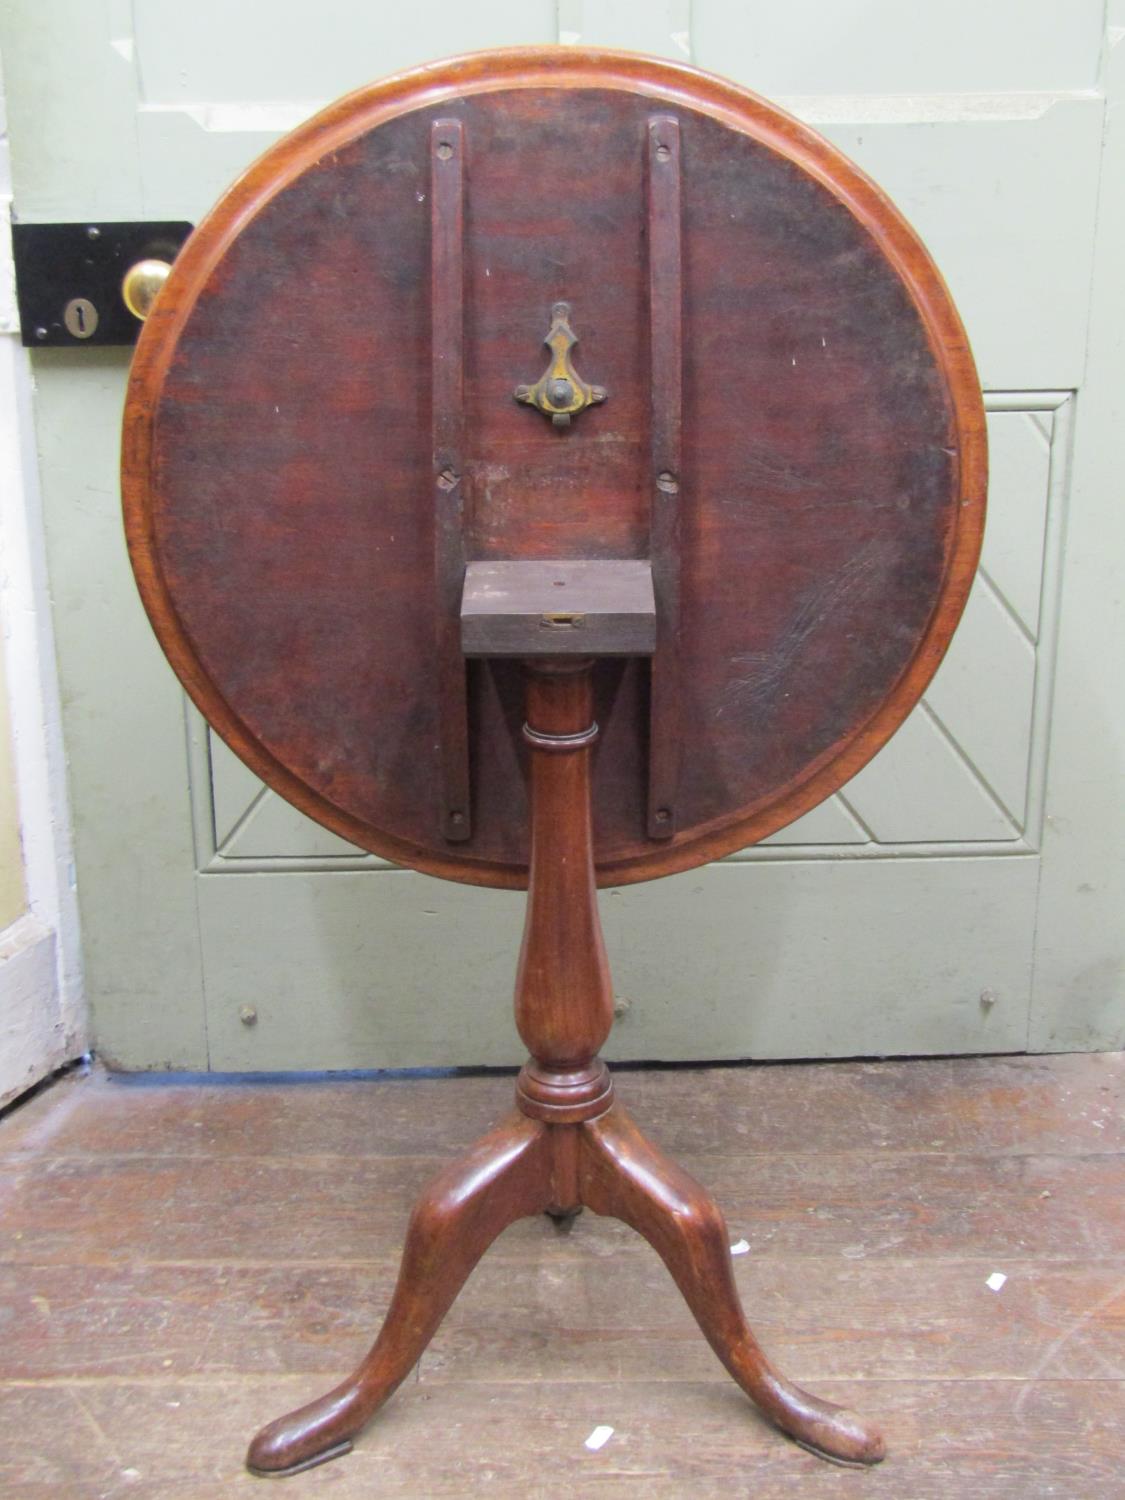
(960, 895)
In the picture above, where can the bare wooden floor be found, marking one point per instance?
(181, 1261)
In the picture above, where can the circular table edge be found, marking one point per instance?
(671, 83)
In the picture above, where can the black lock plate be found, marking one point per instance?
(80, 267)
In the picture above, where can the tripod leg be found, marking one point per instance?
(625, 1176)
(502, 1178)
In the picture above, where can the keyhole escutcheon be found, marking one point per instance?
(80, 317)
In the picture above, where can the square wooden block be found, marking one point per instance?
(576, 608)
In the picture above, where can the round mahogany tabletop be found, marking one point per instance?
(278, 456)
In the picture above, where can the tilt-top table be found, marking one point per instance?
(566, 616)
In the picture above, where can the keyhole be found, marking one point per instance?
(80, 317)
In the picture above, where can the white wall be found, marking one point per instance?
(42, 1010)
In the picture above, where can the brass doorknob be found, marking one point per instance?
(141, 284)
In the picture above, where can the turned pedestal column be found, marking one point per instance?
(564, 995)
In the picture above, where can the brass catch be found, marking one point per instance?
(560, 393)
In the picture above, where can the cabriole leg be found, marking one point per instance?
(624, 1175)
(504, 1177)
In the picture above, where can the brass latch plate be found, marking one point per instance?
(560, 392)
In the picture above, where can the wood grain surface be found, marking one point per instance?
(153, 1313)
(280, 457)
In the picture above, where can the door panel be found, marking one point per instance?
(781, 972)
(884, 47)
(958, 773)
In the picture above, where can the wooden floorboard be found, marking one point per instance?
(1069, 1104)
(587, 1319)
(180, 1261)
(352, 1208)
(973, 1439)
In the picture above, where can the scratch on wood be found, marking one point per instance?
(760, 672)
(1055, 1348)
(94, 1425)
